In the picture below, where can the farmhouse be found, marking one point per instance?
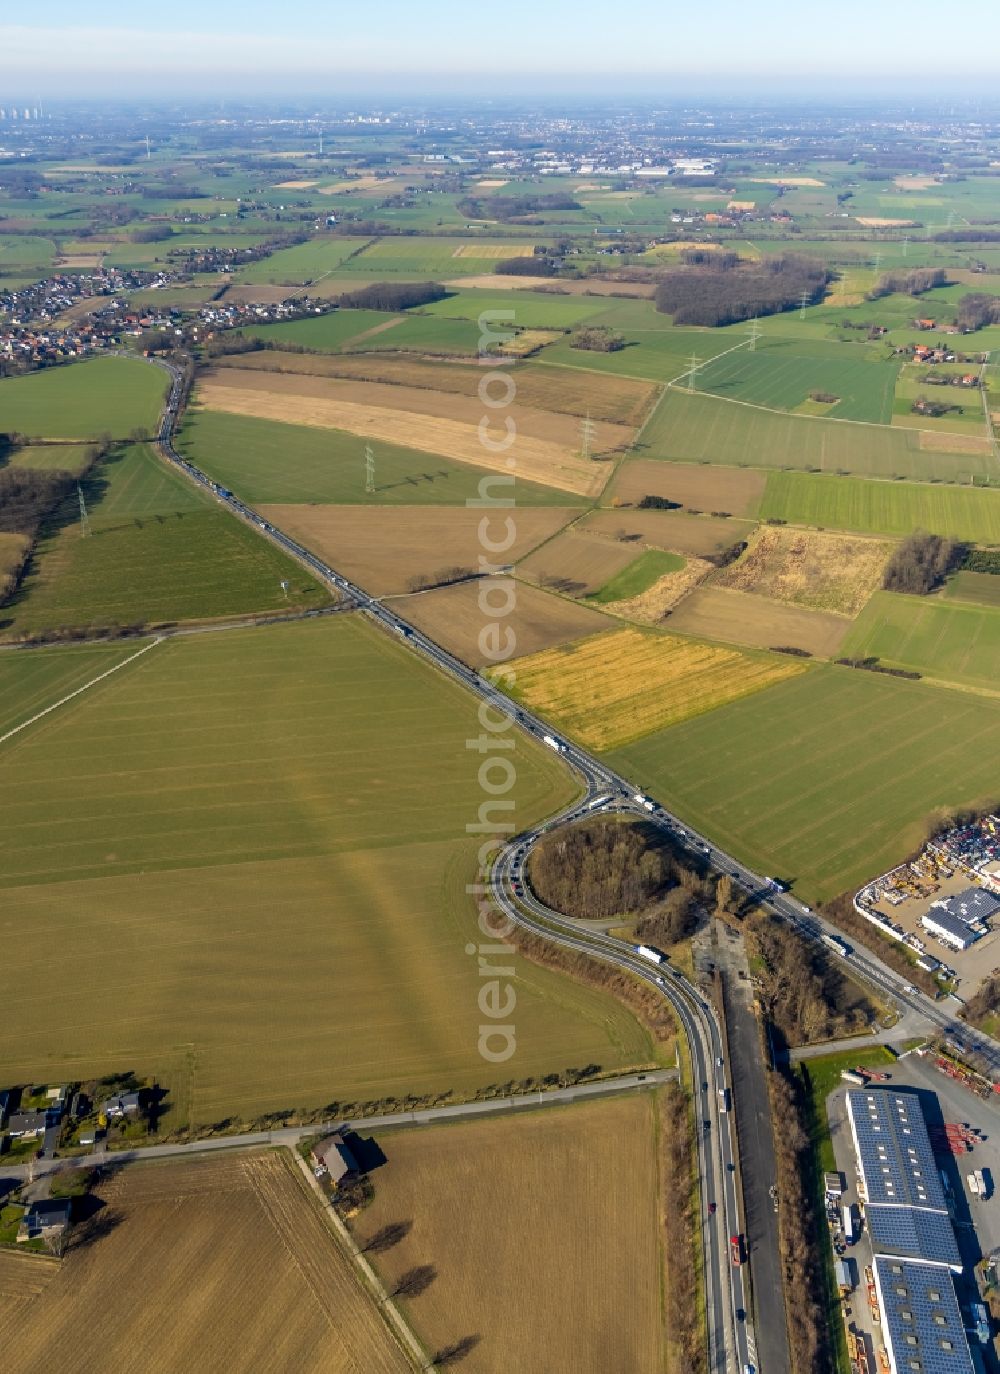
(334, 1157)
(45, 1220)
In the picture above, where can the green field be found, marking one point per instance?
(653, 351)
(638, 577)
(258, 840)
(701, 428)
(50, 457)
(528, 309)
(824, 780)
(158, 551)
(305, 262)
(982, 589)
(32, 681)
(782, 373)
(326, 333)
(941, 639)
(437, 259)
(871, 507)
(265, 461)
(80, 400)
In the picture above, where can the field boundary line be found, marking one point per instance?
(85, 688)
(377, 1289)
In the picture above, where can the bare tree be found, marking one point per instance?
(388, 1236)
(415, 1281)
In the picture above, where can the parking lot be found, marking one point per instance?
(973, 964)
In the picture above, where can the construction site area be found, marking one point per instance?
(945, 905)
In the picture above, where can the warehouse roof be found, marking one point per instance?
(921, 1320)
(912, 1233)
(974, 904)
(894, 1151)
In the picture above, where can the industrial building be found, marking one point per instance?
(913, 1242)
(961, 920)
(921, 1319)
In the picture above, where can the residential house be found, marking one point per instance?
(123, 1105)
(46, 1220)
(334, 1157)
(26, 1124)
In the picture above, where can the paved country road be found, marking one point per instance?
(730, 1340)
(291, 1135)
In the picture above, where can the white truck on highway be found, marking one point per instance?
(648, 952)
(554, 743)
(644, 802)
(839, 947)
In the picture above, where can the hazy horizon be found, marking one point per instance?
(446, 49)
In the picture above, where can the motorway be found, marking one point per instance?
(730, 1339)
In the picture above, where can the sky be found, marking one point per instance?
(521, 47)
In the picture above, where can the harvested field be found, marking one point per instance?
(618, 400)
(826, 572)
(695, 486)
(538, 460)
(294, 185)
(528, 341)
(688, 534)
(880, 222)
(543, 425)
(382, 548)
(741, 618)
(577, 563)
(948, 441)
(200, 1271)
(368, 183)
(454, 618)
(614, 688)
(592, 286)
(539, 1207)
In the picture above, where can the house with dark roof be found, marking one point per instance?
(122, 1105)
(26, 1124)
(46, 1220)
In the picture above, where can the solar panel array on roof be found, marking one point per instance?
(894, 1150)
(911, 1233)
(921, 1320)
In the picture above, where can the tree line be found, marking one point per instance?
(393, 295)
(507, 208)
(719, 294)
(908, 283)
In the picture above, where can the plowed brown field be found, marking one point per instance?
(205, 1266)
(381, 548)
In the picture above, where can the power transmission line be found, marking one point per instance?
(587, 433)
(693, 373)
(369, 469)
(84, 517)
(754, 334)
(803, 302)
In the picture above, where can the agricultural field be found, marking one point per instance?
(433, 259)
(383, 549)
(522, 309)
(781, 374)
(700, 535)
(81, 400)
(825, 780)
(981, 589)
(576, 563)
(537, 1206)
(252, 833)
(617, 400)
(548, 456)
(216, 1251)
(653, 349)
(696, 487)
(454, 618)
(269, 461)
(741, 618)
(158, 550)
(50, 457)
(893, 508)
(638, 577)
(609, 689)
(326, 333)
(940, 639)
(304, 263)
(31, 682)
(694, 428)
(823, 572)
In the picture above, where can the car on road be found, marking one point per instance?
(741, 1315)
(719, 1062)
(712, 1207)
